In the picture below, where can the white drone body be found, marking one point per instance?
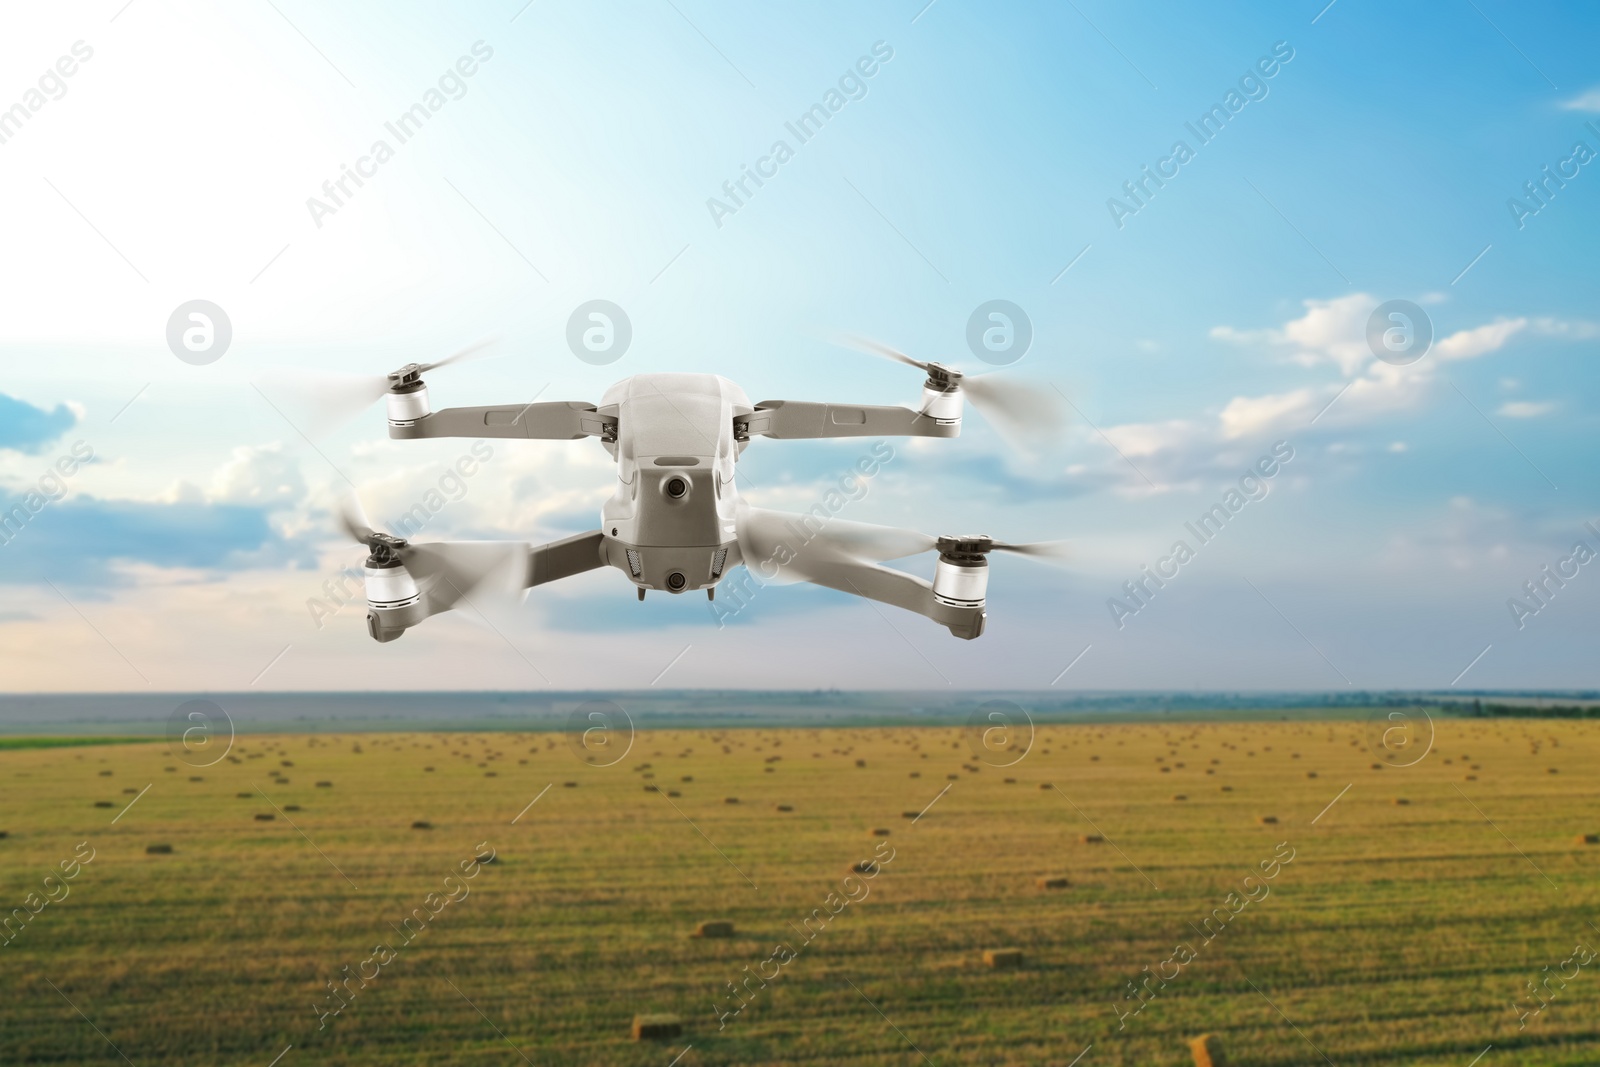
(676, 521)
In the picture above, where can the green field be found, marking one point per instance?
(1397, 934)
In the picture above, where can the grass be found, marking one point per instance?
(7, 743)
(1396, 935)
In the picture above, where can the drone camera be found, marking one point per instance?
(676, 581)
(676, 487)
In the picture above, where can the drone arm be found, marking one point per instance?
(550, 421)
(786, 419)
(899, 589)
(564, 558)
(441, 575)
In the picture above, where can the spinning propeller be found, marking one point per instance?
(802, 554)
(1028, 414)
(445, 572)
(321, 403)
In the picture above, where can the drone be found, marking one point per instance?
(676, 521)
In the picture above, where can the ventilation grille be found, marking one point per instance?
(634, 564)
(717, 561)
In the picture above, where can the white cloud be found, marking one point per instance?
(1330, 331)
(1259, 414)
(1587, 101)
(1333, 331)
(1149, 438)
(1572, 330)
(1480, 340)
(263, 476)
(1176, 452)
(1525, 409)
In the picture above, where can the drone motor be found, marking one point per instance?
(407, 398)
(941, 395)
(961, 576)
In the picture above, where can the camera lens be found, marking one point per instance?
(676, 487)
(676, 581)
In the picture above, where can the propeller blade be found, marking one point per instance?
(1025, 413)
(877, 348)
(318, 404)
(353, 518)
(798, 547)
(1048, 551)
(479, 350)
(474, 571)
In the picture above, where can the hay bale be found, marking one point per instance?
(864, 867)
(329, 785)
(730, 800)
(785, 807)
(428, 769)
(1010, 781)
(878, 831)
(1090, 839)
(291, 807)
(422, 824)
(158, 850)
(909, 814)
(487, 858)
(861, 763)
(673, 793)
(1055, 882)
(1044, 785)
(656, 1027)
(105, 774)
(1179, 796)
(571, 785)
(714, 928)
(1206, 1050)
(244, 796)
(4, 834)
(1582, 839)
(650, 787)
(196, 778)
(130, 789)
(1267, 820)
(1401, 801)
(1225, 789)
(1002, 959)
(103, 804)
(265, 816)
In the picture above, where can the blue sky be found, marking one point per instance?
(1226, 314)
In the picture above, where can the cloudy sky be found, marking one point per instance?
(1205, 311)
